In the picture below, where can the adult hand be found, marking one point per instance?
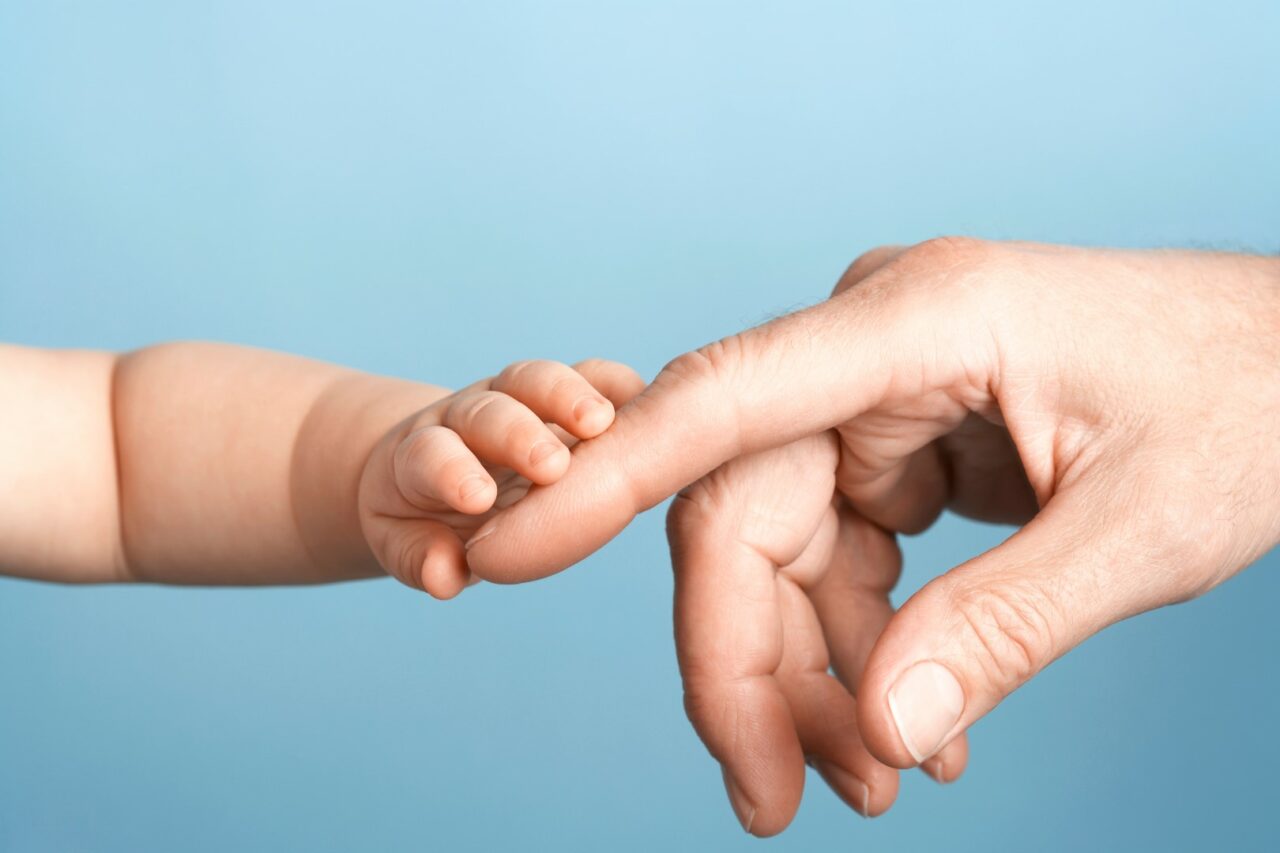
(1124, 406)
(776, 584)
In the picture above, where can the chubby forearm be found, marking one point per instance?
(59, 508)
(190, 463)
(241, 466)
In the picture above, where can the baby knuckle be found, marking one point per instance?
(468, 412)
(519, 438)
(415, 454)
(411, 449)
(404, 557)
(567, 387)
(514, 371)
(594, 365)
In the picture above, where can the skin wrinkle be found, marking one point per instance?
(719, 364)
(1006, 636)
(819, 328)
(985, 459)
(809, 568)
(513, 372)
(463, 416)
(122, 571)
(692, 373)
(297, 466)
(777, 559)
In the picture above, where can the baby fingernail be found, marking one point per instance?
(588, 405)
(542, 451)
(926, 702)
(472, 486)
(742, 807)
(486, 530)
(850, 788)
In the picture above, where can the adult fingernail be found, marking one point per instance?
(850, 788)
(926, 702)
(543, 451)
(588, 406)
(937, 770)
(486, 530)
(741, 805)
(472, 486)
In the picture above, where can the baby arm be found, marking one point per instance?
(214, 464)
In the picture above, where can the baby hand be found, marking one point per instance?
(442, 472)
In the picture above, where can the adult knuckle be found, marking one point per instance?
(687, 514)
(710, 378)
(1163, 533)
(866, 260)
(1010, 627)
(881, 567)
(1177, 547)
(680, 515)
(976, 280)
(711, 364)
(960, 264)
(948, 251)
(1180, 531)
(690, 368)
(862, 266)
(704, 705)
(700, 513)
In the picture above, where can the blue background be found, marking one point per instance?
(433, 191)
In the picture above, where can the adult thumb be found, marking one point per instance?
(974, 635)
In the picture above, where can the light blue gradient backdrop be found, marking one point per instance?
(433, 191)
